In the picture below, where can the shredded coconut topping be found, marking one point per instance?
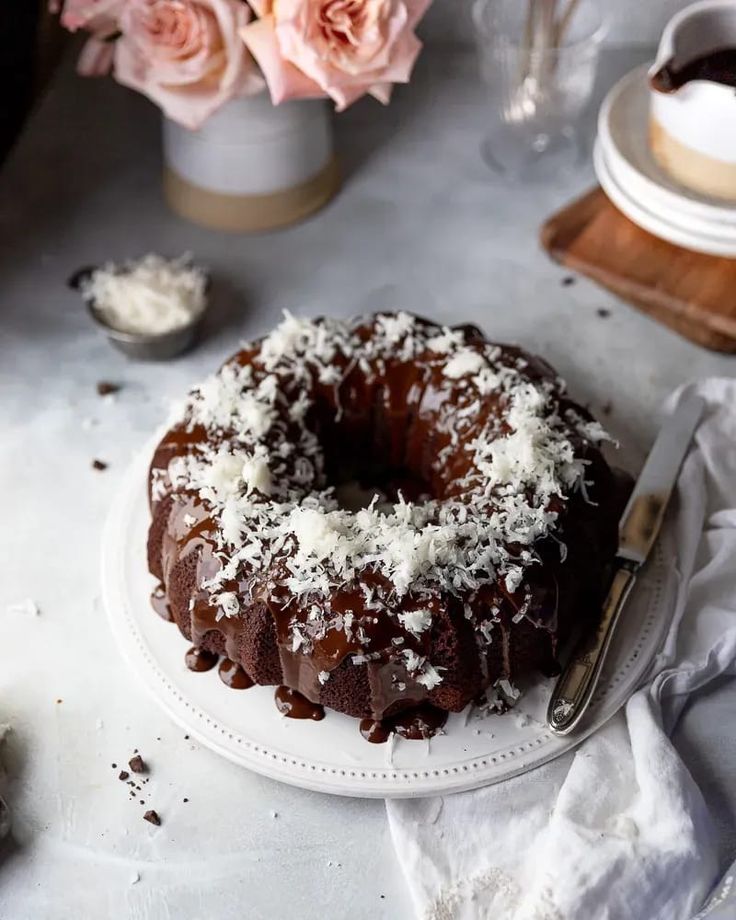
(150, 296)
(416, 621)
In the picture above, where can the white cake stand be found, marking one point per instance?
(331, 756)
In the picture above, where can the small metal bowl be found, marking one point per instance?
(159, 347)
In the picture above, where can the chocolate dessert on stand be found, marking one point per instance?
(386, 518)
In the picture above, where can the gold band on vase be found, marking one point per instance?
(250, 213)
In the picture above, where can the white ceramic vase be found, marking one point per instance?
(252, 166)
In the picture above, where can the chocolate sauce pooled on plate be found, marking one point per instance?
(716, 67)
(293, 705)
(198, 659)
(160, 603)
(416, 724)
(232, 675)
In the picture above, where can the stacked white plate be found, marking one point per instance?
(639, 187)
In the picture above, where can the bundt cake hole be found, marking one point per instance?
(368, 457)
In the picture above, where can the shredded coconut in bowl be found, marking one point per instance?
(148, 296)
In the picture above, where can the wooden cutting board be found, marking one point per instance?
(692, 293)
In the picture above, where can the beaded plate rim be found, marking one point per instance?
(345, 772)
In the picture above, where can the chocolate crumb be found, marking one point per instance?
(105, 388)
(136, 764)
(60, 701)
(568, 280)
(123, 775)
(99, 465)
(114, 766)
(603, 313)
(141, 801)
(186, 737)
(152, 817)
(186, 800)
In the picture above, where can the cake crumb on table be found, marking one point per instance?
(106, 388)
(137, 764)
(152, 817)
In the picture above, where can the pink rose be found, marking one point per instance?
(342, 48)
(185, 55)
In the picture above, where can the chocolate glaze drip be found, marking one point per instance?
(294, 705)
(551, 668)
(233, 675)
(160, 603)
(199, 659)
(397, 418)
(716, 67)
(415, 724)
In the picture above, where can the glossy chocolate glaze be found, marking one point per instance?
(160, 603)
(294, 705)
(199, 659)
(232, 675)
(715, 67)
(415, 724)
(398, 418)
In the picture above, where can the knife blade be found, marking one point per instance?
(638, 529)
(4, 819)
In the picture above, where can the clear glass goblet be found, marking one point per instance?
(538, 61)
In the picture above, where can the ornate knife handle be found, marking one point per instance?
(575, 686)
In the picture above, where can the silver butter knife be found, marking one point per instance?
(638, 529)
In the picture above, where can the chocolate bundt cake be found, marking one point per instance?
(381, 514)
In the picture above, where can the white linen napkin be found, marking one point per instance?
(617, 829)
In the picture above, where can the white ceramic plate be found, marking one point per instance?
(678, 233)
(623, 133)
(331, 756)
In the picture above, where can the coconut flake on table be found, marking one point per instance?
(150, 296)
(27, 607)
